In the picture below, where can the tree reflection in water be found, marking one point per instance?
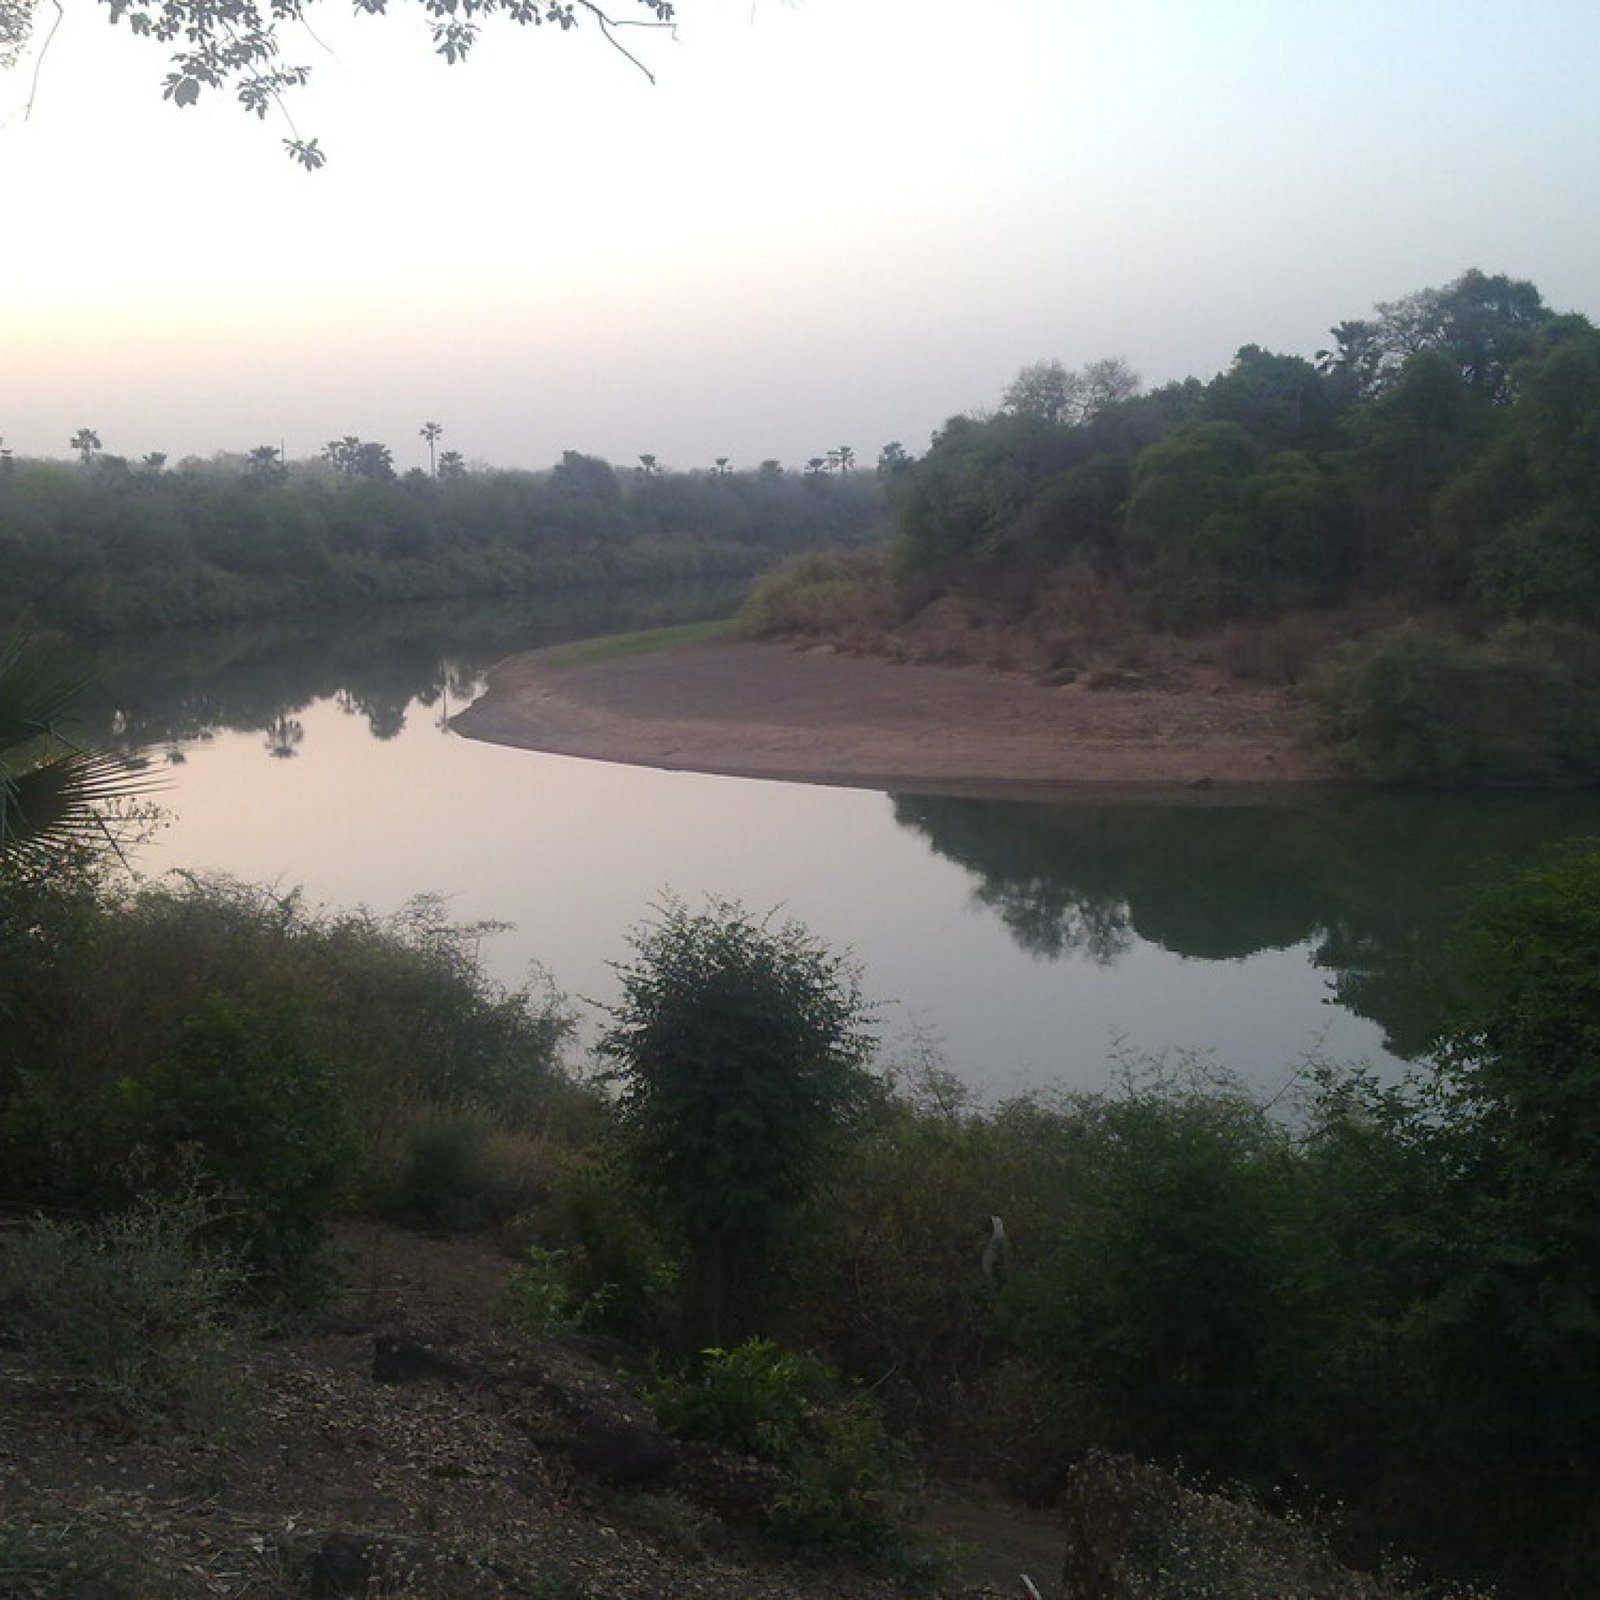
(1372, 878)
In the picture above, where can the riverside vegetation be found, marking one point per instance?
(1383, 1302)
(1243, 1350)
(106, 544)
(1406, 532)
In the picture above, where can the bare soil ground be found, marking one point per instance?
(448, 1481)
(815, 715)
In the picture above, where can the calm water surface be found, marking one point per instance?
(1033, 943)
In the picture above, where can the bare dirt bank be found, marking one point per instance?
(769, 711)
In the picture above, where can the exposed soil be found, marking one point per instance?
(455, 1476)
(814, 715)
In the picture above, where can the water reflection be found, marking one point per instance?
(1371, 880)
(1200, 923)
(167, 689)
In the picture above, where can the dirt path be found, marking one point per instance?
(768, 711)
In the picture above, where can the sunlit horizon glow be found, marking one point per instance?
(828, 223)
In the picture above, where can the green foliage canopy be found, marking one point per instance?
(738, 1050)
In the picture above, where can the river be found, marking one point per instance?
(1027, 946)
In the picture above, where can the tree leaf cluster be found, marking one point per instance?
(737, 1052)
(1441, 451)
(236, 45)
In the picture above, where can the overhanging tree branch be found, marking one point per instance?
(235, 43)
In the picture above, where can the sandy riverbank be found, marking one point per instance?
(769, 711)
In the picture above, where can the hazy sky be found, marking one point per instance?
(830, 222)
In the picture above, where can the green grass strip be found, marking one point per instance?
(611, 646)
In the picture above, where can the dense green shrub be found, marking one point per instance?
(536, 1297)
(1161, 1292)
(260, 1114)
(616, 1261)
(754, 1397)
(738, 1052)
(450, 1172)
(890, 1270)
(846, 1481)
(289, 1054)
(1423, 705)
(1543, 564)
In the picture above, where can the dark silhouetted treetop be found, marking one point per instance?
(235, 44)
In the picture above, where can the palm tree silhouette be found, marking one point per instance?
(431, 431)
(86, 441)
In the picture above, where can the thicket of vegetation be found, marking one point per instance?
(1386, 1298)
(1438, 462)
(106, 544)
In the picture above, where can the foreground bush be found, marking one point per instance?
(294, 1058)
(738, 1050)
(846, 1482)
(1419, 705)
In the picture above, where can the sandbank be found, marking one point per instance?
(772, 711)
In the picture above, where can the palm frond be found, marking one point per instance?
(52, 790)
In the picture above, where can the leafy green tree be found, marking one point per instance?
(1107, 383)
(1053, 393)
(739, 1051)
(1426, 427)
(961, 503)
(87, 443)
(1282, 401)
(1481, 324)
(452, 467)
(580, 477)
(1557, 415)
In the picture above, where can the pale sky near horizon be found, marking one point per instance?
(830, 222)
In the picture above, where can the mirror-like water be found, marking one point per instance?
(1032, 942)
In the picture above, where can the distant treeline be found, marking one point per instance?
(105, 544)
